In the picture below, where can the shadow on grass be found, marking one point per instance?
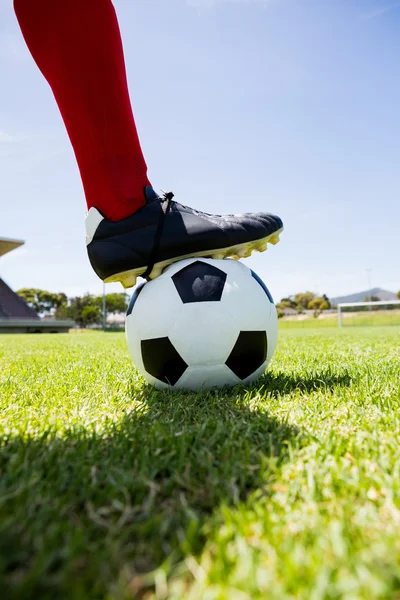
(283, 383)
(79, 514)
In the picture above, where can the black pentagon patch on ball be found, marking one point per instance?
(248, 354)
(161, 359)
(135, 296)
(199, 282)
(264, 287)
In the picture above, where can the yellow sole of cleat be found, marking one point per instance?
(128, 278)
(274, 239)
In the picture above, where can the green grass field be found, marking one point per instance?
(361, 319)
(289, 489)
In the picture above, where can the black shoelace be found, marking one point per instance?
(165, 206)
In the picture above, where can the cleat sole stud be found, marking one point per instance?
(262, 247)
(274, 239)
(243, 253)
(129, 282)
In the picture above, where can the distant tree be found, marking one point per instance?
(284, 304)
(42, 301)
(325, 297)
(318, 305)
(84, 310)
(90, 315)
(88, 309)
(288, 303)
(398, 294)
(62, 312)
(303, 300)
(115, 303)
(371, 299)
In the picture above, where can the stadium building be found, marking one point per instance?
(15, 315)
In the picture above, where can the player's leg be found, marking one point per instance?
(77, 46)
(131, 231)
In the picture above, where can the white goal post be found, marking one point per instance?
(352, 307)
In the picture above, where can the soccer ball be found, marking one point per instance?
(202, 324)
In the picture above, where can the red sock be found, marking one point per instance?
(77, 46)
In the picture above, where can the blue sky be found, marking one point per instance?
(279, 105)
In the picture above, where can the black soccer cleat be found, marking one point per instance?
(163, 232)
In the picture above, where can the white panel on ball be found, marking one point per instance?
(272, 330)
(212, 376)
(155, 310)
(247, 302)
(204, 333)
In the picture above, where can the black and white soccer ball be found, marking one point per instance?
(202, 324)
